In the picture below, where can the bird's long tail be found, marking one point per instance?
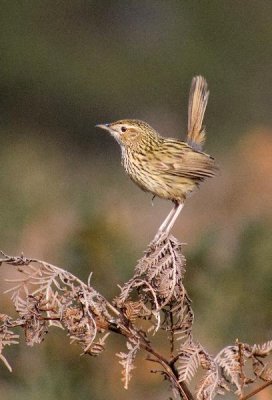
(198, 99)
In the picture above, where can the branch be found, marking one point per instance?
(259, 389)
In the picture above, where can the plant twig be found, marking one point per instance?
(259, 389)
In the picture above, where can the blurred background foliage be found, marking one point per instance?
(66, 66)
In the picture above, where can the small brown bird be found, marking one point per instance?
(168, 168)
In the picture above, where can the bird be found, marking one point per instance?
(168, 168)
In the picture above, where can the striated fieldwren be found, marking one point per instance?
(168, 168)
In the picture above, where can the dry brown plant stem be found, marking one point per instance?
(259, 389)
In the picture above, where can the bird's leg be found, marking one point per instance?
(169, 221)
(177, 209)
(163, 226)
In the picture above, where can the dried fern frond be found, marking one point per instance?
(208, 385)
(158, 285)
(233, 361)
(260, 369)
(188, 360)
(228, 360)
(7, 336)
(127, 360)
(211, 383)
(262, 350)
(48, 295)
(184, 321)
(133, 310)
(98, 347)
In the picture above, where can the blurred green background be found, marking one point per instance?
(67, 65)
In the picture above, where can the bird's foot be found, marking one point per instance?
(160, 236)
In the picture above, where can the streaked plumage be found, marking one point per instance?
(168, 168)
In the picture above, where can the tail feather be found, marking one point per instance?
(198, 99)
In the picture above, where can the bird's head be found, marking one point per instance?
(131, 133)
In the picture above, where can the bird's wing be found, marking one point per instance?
(179, 159)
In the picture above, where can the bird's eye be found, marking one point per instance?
(123, 129)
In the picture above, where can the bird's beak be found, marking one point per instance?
(103, 126)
